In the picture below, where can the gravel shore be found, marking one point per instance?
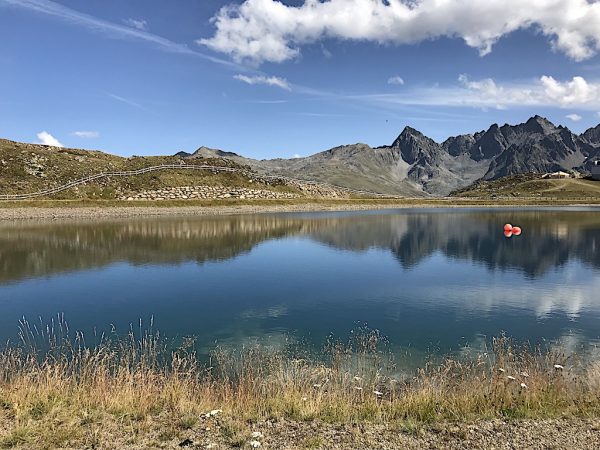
(85, 212)
(14, 212)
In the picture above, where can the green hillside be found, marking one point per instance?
(26, 168)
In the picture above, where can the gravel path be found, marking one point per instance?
(543, 434)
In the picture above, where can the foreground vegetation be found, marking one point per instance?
(55, 391)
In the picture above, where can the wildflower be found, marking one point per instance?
(524, 386)
(501, 370)
(304, 399)
(358, 388)
(511, 378)
(357, 379)
(317, 386)
(378, 394)
(213, 413)
(525, 374)
(254, 444)
(256, 435)
(558, 367)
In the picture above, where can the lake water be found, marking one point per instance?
(432, 281)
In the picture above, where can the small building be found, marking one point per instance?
(559, 174)
(596, 170)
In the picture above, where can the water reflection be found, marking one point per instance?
(429, 279)
(550, 240)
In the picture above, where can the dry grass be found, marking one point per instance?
(56, 391)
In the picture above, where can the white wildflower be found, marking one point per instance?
(524, 386)
(558, 367)
(317, 386)
(525, 374)
(358, 388)
(213, 413)
(357, 379)
(304, 399)
(254, 444)
(378, 393)
(501, 370)
(256, 435)
(511, 378)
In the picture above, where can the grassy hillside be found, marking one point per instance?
(533, 186)
(28, 168)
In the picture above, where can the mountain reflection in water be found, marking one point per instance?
(428, 278)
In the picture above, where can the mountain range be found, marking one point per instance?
(416, 165)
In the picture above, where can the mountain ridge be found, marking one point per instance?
(415, 164)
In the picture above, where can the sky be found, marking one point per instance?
(268, 78)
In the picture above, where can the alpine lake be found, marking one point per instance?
(434, 282)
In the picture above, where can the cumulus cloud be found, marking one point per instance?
(487, 93)
(574, 117)
(86, 134)
(46, 138)
(268, 30)
(140, 24)
(261, 79)
(396, 80)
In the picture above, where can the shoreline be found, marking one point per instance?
(54, 210)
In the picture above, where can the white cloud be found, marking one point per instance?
(140, 24)
(575, 92)
(487, 93)
(296, 155)
(268, 30)
(574, 117)
(46, 138)
(86, 134)
(261, 79)
(396, 80)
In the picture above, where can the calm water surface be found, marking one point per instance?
(431, 280)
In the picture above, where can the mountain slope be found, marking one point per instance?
(417, 165)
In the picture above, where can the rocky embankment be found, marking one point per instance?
(223, 192)
(207, 192)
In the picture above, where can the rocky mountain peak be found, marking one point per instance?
(414, 145)
(538, 124)
(206, 152)
(592, 136)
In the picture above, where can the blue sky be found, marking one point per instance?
(270, 79)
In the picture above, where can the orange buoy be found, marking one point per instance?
(508, 227)
(508, 233)
(516, 231)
